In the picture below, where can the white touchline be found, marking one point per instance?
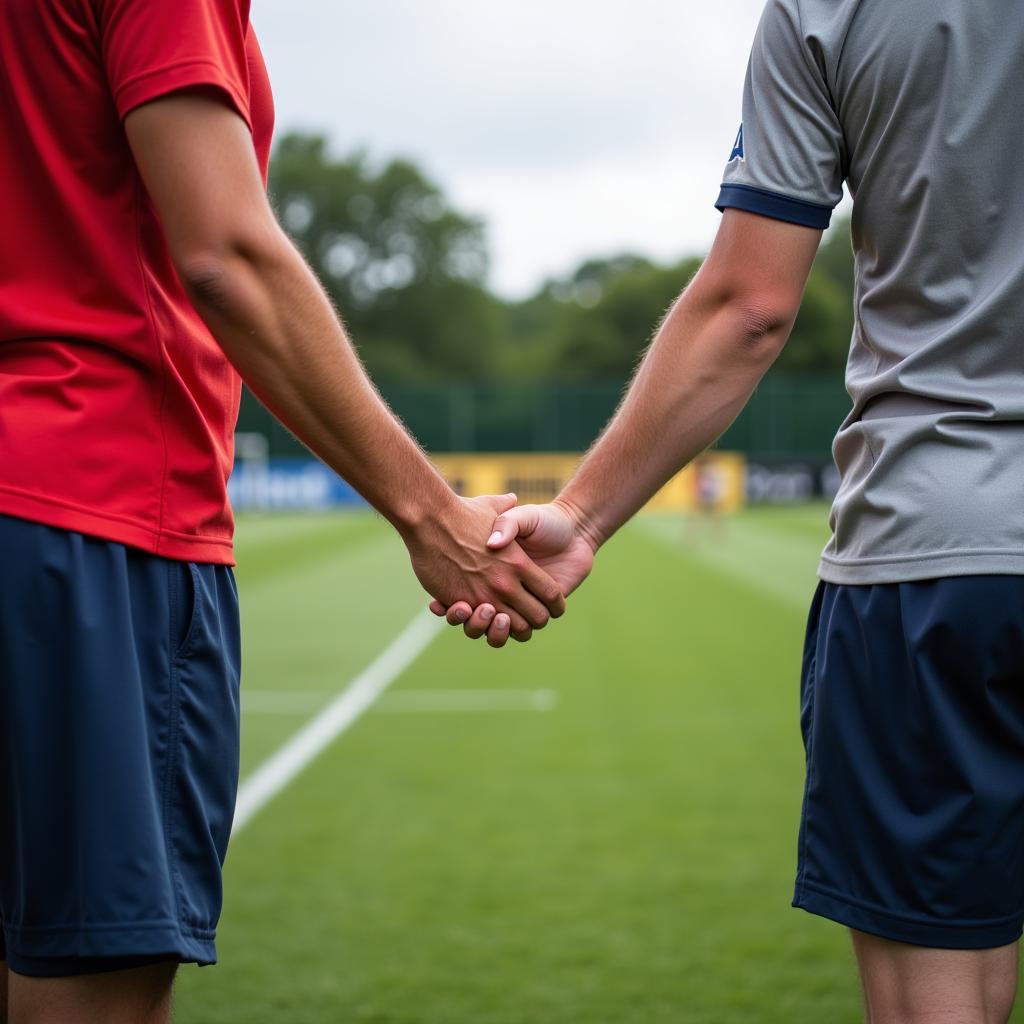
(260, 787)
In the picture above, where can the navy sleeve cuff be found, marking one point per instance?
(771, 204)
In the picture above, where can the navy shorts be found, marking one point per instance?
(119, 716)
(913, 723)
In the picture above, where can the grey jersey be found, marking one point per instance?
(916, 104)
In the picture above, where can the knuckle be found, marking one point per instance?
(501, 584)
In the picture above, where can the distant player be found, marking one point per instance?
(140, 265)
(913, 683)
(710, 491)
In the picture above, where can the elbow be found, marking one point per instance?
(219, 273)
(753, 317)
(762, 325)
(208, 280)
(751, 327)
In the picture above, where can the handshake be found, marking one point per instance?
(501, 570)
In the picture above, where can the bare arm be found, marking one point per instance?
(718, 340)
(270, 315)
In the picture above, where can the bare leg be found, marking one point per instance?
(3, 992)
(138, 996)
(906, 984)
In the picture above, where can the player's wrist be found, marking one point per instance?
(584, 524)
(423, 511)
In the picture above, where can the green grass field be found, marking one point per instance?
(623, 853)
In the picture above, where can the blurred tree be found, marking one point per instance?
(835, 258)
(406, 270)
(593, 324)
(610, 310)
(596, 322)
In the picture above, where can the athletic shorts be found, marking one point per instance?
(119, 716)
(913, 724)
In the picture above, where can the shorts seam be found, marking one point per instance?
(911, 919)
(173, 736)
(812, 676)
(802, 869)
(191, 616)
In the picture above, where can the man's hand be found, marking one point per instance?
(556, 539)
(269, 314)
(455, 562)
(716, 343)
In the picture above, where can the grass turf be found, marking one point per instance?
(625, 857)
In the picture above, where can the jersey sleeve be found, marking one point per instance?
(154, 47)
(788, 158)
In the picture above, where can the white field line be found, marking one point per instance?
(276, 702)
(262, 785)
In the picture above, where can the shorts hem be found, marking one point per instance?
(885, 924)
(52, 952)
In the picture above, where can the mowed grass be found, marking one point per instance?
(627, 856)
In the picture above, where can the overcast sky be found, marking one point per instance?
(575, 128)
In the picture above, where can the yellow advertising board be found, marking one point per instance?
(713, 482)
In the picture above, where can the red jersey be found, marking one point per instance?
(117, 406)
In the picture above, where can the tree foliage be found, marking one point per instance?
(597, 322)
(408, 273)
(403, 267)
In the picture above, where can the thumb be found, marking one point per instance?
(516, 522)
(500, 502)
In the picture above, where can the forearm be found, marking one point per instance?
(276, 325)
(701, 369)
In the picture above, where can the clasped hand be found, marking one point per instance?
(534, 556)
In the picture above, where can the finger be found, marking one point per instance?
(519, 628)
(497, 635)
(523, 602)
(459, 613)
(541, 586)
(437, 608)
(516, 522)
(479, 621)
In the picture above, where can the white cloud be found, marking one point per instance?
(574, 128)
